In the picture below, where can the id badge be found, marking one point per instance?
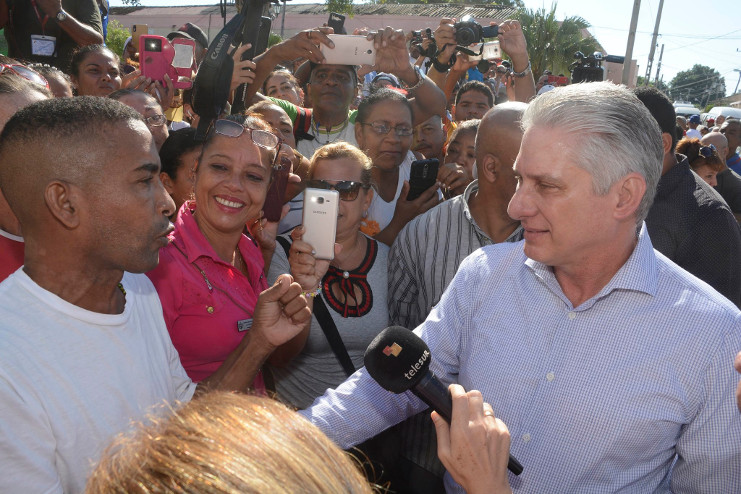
(43, 46)
(244, 325)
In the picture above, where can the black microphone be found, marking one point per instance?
(399, 361)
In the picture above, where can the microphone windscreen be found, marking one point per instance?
(397, 359)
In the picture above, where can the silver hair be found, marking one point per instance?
(612, 131)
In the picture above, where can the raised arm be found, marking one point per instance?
(512, 42)
(83, 31)
(392, 56)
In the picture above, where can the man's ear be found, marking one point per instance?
(630, 191)
(489, 168)
(64, 203)
(666, 141)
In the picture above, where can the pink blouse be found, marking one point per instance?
(207, 303)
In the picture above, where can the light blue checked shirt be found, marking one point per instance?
(598, 398)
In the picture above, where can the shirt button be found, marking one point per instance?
(572, 315)
(526, 437)
(210, 310)
(550, 376)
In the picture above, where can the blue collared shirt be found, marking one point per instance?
(597, 398)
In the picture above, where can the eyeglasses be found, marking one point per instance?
(707, 151)
(230, 128)
(26, 73)
(348, 190)
(156, 120)
(383, 129)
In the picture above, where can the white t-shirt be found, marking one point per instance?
(344, 133)
(71, 379)
(381, 211)
(694, 134)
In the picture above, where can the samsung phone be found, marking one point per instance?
(349, 50)
(274, 200)
(337, 23)
(321, 207)
(422, 177)
(491, 50)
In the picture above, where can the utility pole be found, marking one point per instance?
(283, 19)
(649, 66)
(658, 66)
(739, 80)
(631, 41)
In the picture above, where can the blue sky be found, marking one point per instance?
(708, 33)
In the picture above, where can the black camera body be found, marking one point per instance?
(468, 32)
(589, 68)
(418, 37)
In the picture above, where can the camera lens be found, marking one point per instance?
(153, 45)
(465, 36)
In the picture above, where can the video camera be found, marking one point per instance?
(589, 68)
(213, 80)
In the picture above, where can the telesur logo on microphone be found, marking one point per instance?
(420, 364)
(394, 350)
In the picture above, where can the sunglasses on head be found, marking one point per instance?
(229, 128)
(347, 189)
(26, 73)
(707, 151)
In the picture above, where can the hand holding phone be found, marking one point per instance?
(320, 220)
(157, 57)
(349, 50)
(274, 200)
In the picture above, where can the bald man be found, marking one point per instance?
(729, 182)
(426, 255)
(15, 93)
(84, 346)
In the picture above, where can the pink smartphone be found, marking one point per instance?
(157, 57)
(274, 200)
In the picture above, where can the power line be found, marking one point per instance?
(687, 36)
(701, 81)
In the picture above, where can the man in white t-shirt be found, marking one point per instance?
(692, 131)
(84, 346)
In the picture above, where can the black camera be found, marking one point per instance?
(418, 37)
(468, 32)
(589, 68)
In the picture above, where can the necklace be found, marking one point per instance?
(315, 128)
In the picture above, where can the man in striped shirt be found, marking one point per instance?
(426, 255)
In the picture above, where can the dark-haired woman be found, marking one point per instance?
(210, 275)
(383, 130)
(179, 155)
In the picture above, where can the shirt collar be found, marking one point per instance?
(639, 273)
(194, 243)
(473, 187)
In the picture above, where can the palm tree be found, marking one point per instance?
(552, 44)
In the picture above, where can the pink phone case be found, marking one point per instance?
(156, 55)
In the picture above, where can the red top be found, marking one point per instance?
(11, 254)
(205, 300)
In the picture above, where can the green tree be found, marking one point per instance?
(700, 85)
(340, 6)
(551, 44)
(117, 35)
(661, 85)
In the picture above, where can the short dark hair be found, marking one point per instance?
(661, 109)
(177, 144)
(476, 86)
(65, 124)
(378, 96)
(79, 55)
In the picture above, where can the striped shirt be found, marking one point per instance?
(602, 397)
(422, 262)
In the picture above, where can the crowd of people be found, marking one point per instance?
(574, 270)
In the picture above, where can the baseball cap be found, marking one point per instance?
(195, 33)
(389, 78)
(695, 119)
(711, 121)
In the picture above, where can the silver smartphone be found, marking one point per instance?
(349, 50)
(491, 50)
(320, 220)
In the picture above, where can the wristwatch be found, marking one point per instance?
(525, 72)
(61, 16)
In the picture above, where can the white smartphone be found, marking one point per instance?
(349, 50)
(491, 50)
(320, 220)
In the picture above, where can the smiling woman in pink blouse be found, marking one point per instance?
(210, 275)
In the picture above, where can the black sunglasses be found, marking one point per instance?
(347, 189)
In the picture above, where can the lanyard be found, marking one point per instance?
(38, 16)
